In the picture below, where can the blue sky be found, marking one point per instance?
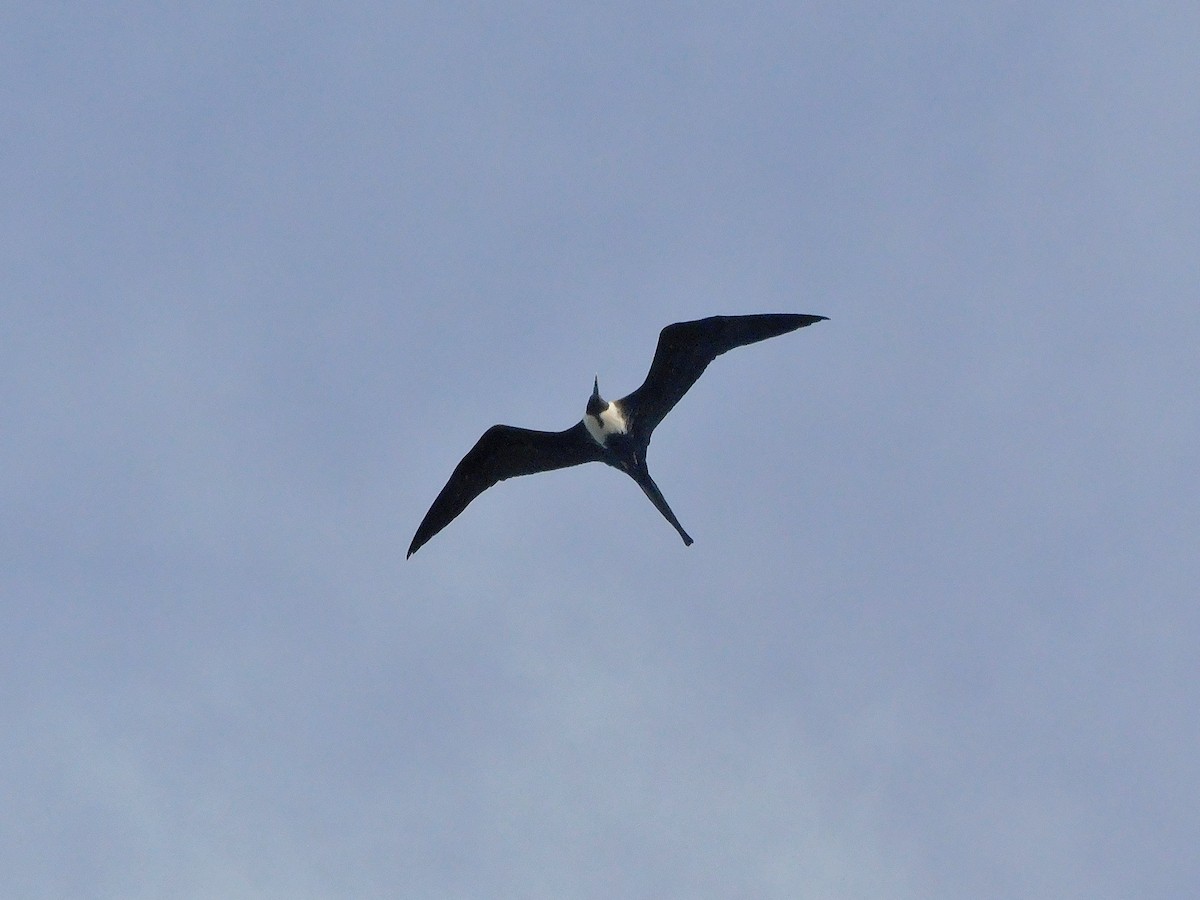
(268, 274)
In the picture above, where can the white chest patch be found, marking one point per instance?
(609, 422)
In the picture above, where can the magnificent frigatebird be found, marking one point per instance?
(616, 432)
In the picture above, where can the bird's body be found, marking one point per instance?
(613, 432)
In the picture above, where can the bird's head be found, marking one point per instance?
(603, 419)
(596, 403)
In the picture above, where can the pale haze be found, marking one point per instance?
(268, 272)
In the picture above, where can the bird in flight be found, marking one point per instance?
(614, 432)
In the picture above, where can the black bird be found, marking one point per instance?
(617, 432)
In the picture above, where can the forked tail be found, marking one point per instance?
(641, 475)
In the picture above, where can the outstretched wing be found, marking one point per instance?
(504, 451)
(684, 351)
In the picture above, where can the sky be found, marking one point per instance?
(266, 274)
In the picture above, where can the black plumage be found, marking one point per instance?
(615, 433)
